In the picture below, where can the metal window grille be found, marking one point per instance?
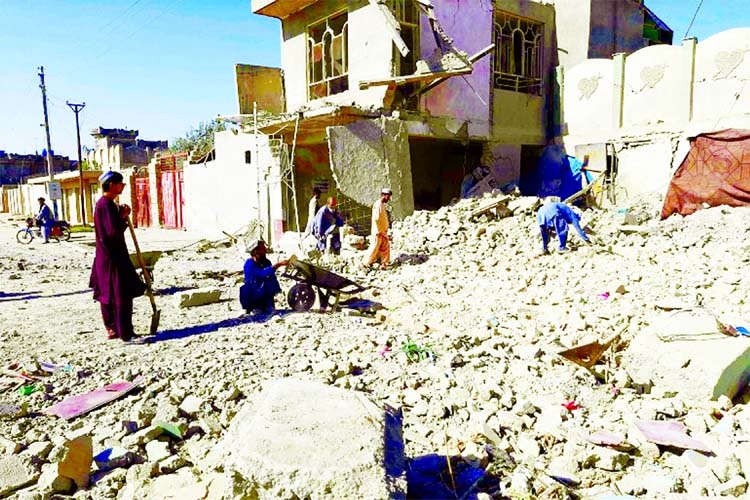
(519, 45)
(327, 59)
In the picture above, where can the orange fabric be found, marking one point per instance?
(380, 248)
(716, 171)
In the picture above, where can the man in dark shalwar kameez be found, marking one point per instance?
(113, 275)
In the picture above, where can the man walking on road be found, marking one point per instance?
(380, 244)
(113, 275)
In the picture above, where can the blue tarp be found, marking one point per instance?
(559, 173)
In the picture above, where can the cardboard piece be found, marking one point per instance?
(588, 354)
(83, 403)
(668, 433)
(79, 453)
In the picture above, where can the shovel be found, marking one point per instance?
(146, 276)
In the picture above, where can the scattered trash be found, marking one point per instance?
(571, 405)
(610, 439)
(26, 390)
(173, 430)
(587, 355)
(76, 463)
(603, 296)
(384, 349)
(78, 405)
(416, 353)
(668, 433)
(52, 367)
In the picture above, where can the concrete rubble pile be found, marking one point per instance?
(467, 347)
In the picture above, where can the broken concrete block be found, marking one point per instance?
(200, 297)
(15, 473)
(51, 482)
(523, 204)
(76, 463)
(8, 447)
(701, 367)
(143, 436)
(12, 412)
(156, 451)
(304, 439)
(191, 405)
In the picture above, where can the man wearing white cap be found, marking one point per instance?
(380, 244)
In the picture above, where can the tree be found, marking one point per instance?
(198, 141)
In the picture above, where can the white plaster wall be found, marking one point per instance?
(572, 25)
(657, 87)
(588, 100)
(222, 195)
(370, 52)
(722, 70)
(645, 168)
(294, 65)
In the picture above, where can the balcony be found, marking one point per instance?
(279, 8)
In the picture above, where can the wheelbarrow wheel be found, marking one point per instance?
(301, 297)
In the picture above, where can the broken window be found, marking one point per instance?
(519, 45)
(406, 13)
(328, 68)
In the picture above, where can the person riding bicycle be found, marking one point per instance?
(45, 219)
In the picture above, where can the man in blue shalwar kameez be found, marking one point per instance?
(555, 216)
(261, 285)
(325, 227)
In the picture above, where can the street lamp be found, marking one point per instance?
(76, 109)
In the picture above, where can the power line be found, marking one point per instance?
(700, 4)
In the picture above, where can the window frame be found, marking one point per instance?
(325, 84)
(519, 41)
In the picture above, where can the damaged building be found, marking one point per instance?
(411, 94)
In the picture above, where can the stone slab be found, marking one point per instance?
(200, 297)
(694, 360)
(302, 439)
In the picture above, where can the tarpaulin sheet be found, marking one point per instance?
(559, 173)
(716, 171)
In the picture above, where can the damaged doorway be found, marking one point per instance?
(438, 166)
(529, 180)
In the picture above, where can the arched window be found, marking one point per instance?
(518, 54)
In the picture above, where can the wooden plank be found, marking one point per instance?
(472, 59)
(401, 80)
(83, 403)
(585, 190)
(392, 26)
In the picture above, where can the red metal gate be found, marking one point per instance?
(142, 212)
(171, 198)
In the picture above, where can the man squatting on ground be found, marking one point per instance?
(380, 244)
(325, 228)
(113, 276)
(555, 216)
(261, 284)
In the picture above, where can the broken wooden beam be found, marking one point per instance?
(401, 80)
(472, 59)
(392, 25)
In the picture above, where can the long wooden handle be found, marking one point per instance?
(146, 274)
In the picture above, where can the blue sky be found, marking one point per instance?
(164, 66)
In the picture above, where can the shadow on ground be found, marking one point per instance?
(435, 476)
(8, 297)
(190, 331)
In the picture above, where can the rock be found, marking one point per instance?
(50, 482)
(191, 405)
(156, 451)
(306, 440)
(736, 486)
(38, 449)
(143, 436)
(609, 460)
(15, 473)
(12, 412)
(76, 462)
(8, 447)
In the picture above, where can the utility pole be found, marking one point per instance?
(50, 160)
(77, 109)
